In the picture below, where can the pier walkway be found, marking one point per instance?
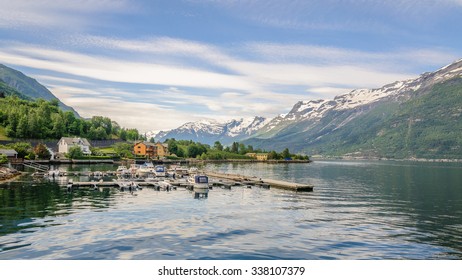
(255, 180)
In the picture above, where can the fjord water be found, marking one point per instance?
(358, 210)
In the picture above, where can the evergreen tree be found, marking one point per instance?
(218, 146)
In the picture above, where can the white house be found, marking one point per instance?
(66, 142)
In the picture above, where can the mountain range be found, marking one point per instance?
(13, 82)
(209, 131)
(415, 118)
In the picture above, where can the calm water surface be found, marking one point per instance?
(358, 210)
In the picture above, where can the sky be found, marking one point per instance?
(155, 65)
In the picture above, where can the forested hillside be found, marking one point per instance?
(43, 119)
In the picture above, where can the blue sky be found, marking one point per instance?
(155, 65)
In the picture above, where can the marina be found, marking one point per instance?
(158, 176)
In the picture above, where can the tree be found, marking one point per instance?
(123, 134)
(242, 149)
(286, 153)
(41, 151)
(59, 127)
(123, 149)
(172, 147)
(180, 152)
(22, 148)
(75, 152)
(218, 146)
(22, 129)
(193, 151)
(235, 147)
(273, 155)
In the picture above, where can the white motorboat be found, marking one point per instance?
(159, 170)
(145, 169)
(199, 182)
(122, 170)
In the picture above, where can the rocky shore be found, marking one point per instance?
(8, 173)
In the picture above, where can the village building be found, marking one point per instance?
(162, 149)
(258, 156)
(65, 143)
(151, 150)
(9, 153)
(145, 149)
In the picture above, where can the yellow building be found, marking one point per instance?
(145, 149)
(162, 149)
(258, 156)
(152, 150)
(262, 156)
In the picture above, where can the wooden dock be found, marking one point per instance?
(224, 181)
(260, 181)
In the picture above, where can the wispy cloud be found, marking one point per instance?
(168, 74)
(333, 15)
(56, 13)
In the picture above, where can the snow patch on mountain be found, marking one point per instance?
(209, 131)
(316, 109)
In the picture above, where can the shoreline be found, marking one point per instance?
(9, 175)
(440, 160)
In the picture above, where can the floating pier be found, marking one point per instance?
(224, 181)
(262, 182)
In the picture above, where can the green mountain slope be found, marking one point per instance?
(6, 90)
(28, 87)
(424, 124)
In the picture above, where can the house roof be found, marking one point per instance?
(149, 144)
(75, 141)
(8, 152)
(163, 144)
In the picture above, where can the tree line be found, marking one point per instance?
(41, 119)
(191, 149)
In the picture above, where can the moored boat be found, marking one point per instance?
(200, 182)
(159, 170)
(122, 170)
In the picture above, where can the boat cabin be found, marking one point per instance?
(201, 179)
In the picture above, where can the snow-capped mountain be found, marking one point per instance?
(209, 131)
(317, 109)
(411, 118)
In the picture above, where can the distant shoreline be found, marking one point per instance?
(166, 161)
(390, 159)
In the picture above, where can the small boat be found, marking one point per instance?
(178, 172)
(160, 171)
(98, 174)
(200, 182)
(143, 171)
(193, 171)
(53, 173)
(128, 186)
(122, 170)
(69, 185)
(165, 185)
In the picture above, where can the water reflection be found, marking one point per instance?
(200, 193)
(357, 211)
(23, 203)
